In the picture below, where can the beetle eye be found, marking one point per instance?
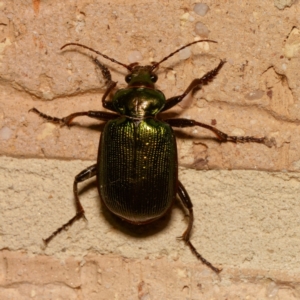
(153, 77)
(128, 78)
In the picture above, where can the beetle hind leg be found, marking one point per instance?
(82, 176)
(186, 201)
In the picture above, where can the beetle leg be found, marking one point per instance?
(186, 201)
(82, 176)
(196, 84)
(223, 137)
(110, 84)
(100, 115)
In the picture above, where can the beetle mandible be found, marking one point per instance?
(137, 165)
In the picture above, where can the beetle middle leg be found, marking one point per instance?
(100, 115)
(82, 176)
(186, 201)
(223, 137)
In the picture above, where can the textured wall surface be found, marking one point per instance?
(246, 196)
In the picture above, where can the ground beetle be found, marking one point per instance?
(136, 170)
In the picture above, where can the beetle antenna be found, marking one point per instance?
(103, 55)
(155, 65)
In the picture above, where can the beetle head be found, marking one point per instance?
(136, 101)
(141, 76)
(140, 98)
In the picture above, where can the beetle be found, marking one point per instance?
(137, 165)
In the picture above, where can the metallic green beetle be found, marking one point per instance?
(136, 171)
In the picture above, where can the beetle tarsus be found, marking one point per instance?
(47, 117)
(209, 76)
(186, 201)
(200, 257)
(104, 70)
(223, 137)
(187, 241)
(64, 227)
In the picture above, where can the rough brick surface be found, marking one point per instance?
(108, 277)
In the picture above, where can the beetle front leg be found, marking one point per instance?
(110, 85)
(223, 137)
(82, 176)
(195, 84)
(186, 201)
(100, 115)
